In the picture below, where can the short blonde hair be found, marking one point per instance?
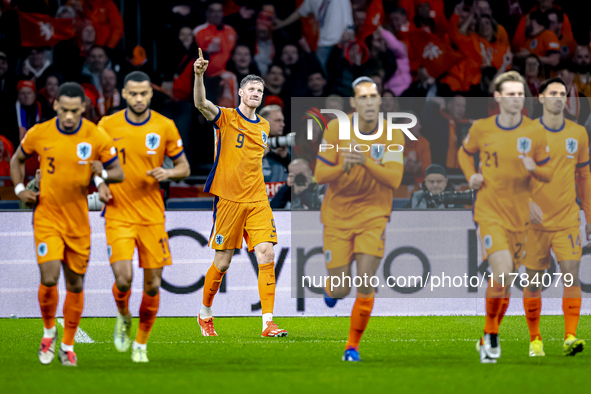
(509, 76)
(266, 110)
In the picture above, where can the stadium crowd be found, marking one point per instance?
(429, 57)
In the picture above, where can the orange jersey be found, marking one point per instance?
(569, 149)
(544, 44)
(354, 199)
(494, 50)
(503, 198)
(141, 147)
(237, 172)
(66, 171)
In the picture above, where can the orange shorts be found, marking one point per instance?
(340, 245)
(233, 221)
(52, 245)
(494, 238)
(566, 245)
(151, 242)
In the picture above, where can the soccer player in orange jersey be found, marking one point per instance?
(241, 207)
(357, 204)
(512, 153)
(66, 145)
(554, 214)
(134, 217)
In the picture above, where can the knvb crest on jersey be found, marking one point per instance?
(572, 145)
(523, 145)
(488, 241)
(377, 151)
(84, 150)
(219, 239)
(265, 138)
(152, 141)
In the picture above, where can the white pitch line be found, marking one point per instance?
(81, 335)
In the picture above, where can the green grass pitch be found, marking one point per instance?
(400, 355)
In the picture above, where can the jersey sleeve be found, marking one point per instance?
(551, 43)
(583, 150)
(174, 143)
(28, 142)
(396, 157)
(107, 153)
(470, 144)
(221, 119)
(541, 150)
(328, 152)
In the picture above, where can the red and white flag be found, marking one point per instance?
(40, 30)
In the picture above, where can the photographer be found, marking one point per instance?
(277, 156)
(301, 191)
(437, 193)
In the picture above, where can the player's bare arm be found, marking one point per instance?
(180, 171)
(206, 107)
(466, 161)
(113, 173)
(17, 175)
(535, 213)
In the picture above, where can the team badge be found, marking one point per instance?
(265, 138)
(84, 150)
(377, 151)
(42, 249)
(572, 145)
(219, 239)
(523, 145)
(109, 250)
(328, 255)
(533, 44)
(152, 141)
(488, 241)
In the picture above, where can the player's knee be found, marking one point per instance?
(152, 290)
(123, 283)
(267, 255)
(570, 272)
(222, 265)
(49, 281)
(340, 292)
(74, 287)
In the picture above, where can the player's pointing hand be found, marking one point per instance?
(158, 173)
(200, 64)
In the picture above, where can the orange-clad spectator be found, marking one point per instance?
(532, 71)
(417, 155)
(427, 19)
(4, 159)
(582, 60)
(540, 41)
(482, 7)
(568, 45)
(566, 72)
(215, 38)
(400, 25)
(105, 18)
(520, 36)
(436, 9)
(466, 73)
(109, 96)
(493, 51)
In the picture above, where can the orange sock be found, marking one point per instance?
(121, 299)
(359, 318)
(72, 313)
(48, 299)
(148, 311)
(504, 306)
(267, 286)
(494, 303)
(213, 280)
(571, 306)
(532, 303)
